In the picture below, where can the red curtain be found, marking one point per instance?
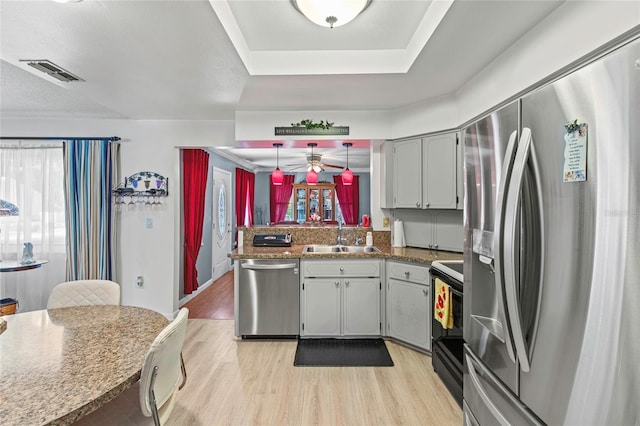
(349, 199)
(245, 188)
(195, 167)
(279, 197)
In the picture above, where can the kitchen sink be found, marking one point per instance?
(319, 248)
(359, 249)
(338, 249)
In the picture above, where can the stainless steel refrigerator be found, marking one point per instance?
(552, 252)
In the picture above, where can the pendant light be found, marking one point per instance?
(312, 175)
(347, 175)
(277, 177)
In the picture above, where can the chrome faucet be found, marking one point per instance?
(340, 240)
(358, 241)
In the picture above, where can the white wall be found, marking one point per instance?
(146, 146)
(573, 30)
(427, 117)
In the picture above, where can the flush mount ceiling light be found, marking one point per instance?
(277, 177)
(330, 13)
(312, 175)
(347, 175)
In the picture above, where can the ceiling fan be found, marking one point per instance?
(314, 161)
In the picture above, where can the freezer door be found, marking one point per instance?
(584, 347)
(489, 149)
(488, 400)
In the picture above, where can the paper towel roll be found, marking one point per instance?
(398, 234)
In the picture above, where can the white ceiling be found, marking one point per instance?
(175, 60)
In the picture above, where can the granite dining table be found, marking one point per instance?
(58, 365)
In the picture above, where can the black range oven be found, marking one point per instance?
(447, 343)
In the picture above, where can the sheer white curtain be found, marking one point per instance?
(32, 178)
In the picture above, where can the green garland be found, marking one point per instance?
(309, 124)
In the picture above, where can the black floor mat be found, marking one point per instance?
(342, 353)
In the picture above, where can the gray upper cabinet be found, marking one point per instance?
(425, 173)
(439, 189)
(407, 174)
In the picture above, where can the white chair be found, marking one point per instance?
(163, 375)
(83, 293)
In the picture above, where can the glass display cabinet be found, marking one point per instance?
(314, 203)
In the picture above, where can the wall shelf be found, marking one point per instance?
(144, 188)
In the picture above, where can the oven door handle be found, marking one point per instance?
(454, 291)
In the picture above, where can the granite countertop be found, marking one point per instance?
(58, 365)
(406, 254)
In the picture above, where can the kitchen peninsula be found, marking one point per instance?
(324, 285)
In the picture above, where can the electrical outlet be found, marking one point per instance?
(385, 222)
(140, 281)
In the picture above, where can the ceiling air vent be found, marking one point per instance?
(52, 69)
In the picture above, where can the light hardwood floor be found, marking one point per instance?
(253, 382)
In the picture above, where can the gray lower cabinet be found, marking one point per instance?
(341, 303)
(409, 304)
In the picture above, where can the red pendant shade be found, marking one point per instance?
(277, 177)
(347, 175)
(312, 177)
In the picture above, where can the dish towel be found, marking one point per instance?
(442, 303)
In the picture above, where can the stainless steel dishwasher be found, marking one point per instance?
(269, 297)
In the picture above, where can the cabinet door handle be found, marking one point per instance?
(341, 269)
(427, 204)
(435, 246)
(406, 274)
(346, 283)
(430, 245)
(417, 203)
(424, 291)
(337, 283)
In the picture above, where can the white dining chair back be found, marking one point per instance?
(83, 293)
(150, 400)
(163, 372)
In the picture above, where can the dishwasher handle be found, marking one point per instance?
(271, 266)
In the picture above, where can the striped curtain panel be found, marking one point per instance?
(90, 174)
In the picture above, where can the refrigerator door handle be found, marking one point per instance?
(525, 152)
(498, 260)
(473, 375)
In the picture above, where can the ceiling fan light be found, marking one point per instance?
(312, 177)
(347, 177)
(317, 168)
(330, 13)
(277, 177)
